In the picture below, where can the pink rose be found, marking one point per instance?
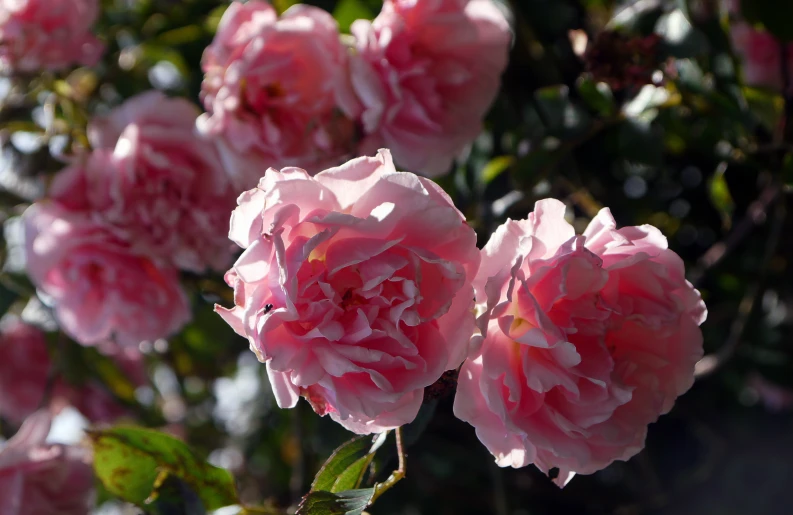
(276, 90)
(586, 340)
(51, 34)
(155, 183)
(99, 288)
(760, 56)
(26, 368)
(426, 73)
(41, 479)
(354, 288)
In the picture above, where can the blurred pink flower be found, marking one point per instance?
(100, 290)
(760, 56)
(426, 73)
(41, 479)
(354, 288)
(26, 368)
(154, 183)
(47, 34)
(585, 341)
(276, 90)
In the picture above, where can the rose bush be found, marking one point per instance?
(360, 288)
(585, 340)
(100, 290)
(276, 90)
(354, 288)
(154, 183)
(426, 73)
(41, 479)
(47, 34)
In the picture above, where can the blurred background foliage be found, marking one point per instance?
(634, 105)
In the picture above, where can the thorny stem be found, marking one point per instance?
(397, 475)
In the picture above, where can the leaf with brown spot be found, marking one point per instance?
(129, 461)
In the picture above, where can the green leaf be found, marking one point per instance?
(349, 502)
(283, 5)
(347, 11)
(597, 96)
(352, 475)
(213, 18)
(348, 461)
(720, 195)
(21, 126)
(180, 36)
(496, 167)
(132, 462)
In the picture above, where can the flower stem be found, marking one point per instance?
(397, 475)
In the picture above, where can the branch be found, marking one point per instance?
(397, 475)
(712, 362)
(756, 215)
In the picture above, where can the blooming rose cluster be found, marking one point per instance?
(47, 34)
(42, 479)
(360, 285)
(121, 221)
(356, 288)
(286, 91)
